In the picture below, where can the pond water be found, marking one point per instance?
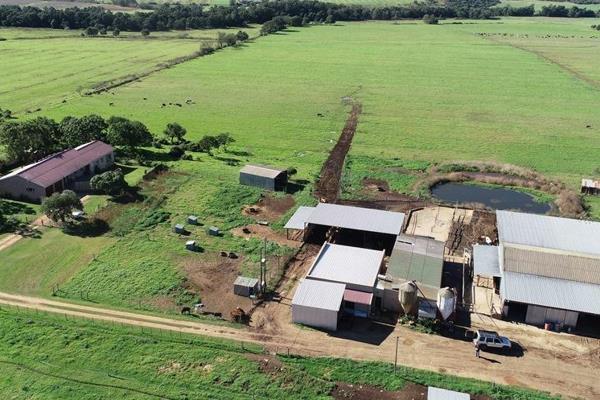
(496, 198)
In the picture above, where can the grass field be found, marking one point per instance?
(29, 57)
(44, 356)
(449, 94)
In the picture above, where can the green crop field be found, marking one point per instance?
(44, 356)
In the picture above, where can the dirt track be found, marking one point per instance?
(561, 364)
(328, 187)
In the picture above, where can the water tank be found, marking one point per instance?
(446, 302)
(408, 297)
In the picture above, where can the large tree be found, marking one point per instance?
(123, 132)
(30, 140)
(175, 132)
(76, 131)
(109, 182)
(59, 206)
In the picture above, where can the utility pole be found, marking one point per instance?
(396, 358)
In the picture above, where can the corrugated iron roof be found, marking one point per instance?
(60, 165)
(552, 264)
(358, 218)
(299, 218)
(319, 294)
(359, 297)
(549, 232)
(245, 281)
(486, 260)
(434, 393)
(417, 258)
(551, 292)
(260, 170)
(347, 264)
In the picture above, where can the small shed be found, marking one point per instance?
(264, 177)
(434, 393)
(179, 228)
(191, 245)
(192, 220)
(244, 286)
(590, 186)
(317, 303)
(214, 231)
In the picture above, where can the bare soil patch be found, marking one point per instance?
(213, 276)
(264, 232)
(269, 208)
(327, 188)
(465, 235)
(378, 195)
(266, 363)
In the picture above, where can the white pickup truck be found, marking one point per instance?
(491, 340)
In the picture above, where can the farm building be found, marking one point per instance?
(264, 177)
(347, 285)
(352, 226)
(244, 286)
(69, 169)
(590, 186)
(420, 259)
(545, 269)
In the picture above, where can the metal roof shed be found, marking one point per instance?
(264, 177)
(354, 266)
(434, 393)
(298, 220)
(244, 286)
(357, 218)
(486, 261)
(417, 258)
(317, 303)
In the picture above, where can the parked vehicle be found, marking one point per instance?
(491, 340)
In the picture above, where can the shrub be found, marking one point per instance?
(177, 152)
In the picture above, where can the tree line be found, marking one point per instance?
(195, 16)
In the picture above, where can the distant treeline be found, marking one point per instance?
(194, 16)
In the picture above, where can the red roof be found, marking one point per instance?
(60, 165)
(355, 296)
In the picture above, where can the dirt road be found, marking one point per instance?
(327, 189)
(561, 364)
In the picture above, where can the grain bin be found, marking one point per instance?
(446, 302)
(408, 297)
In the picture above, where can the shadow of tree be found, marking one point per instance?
(87, 228)
(10, 208)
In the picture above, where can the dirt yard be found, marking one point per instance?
(213, 276)
(264, 232)
(269, 208)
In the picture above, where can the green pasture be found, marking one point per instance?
(47, 357)
(45, 67)
(34, 266)
(432, 93)
(538, 4)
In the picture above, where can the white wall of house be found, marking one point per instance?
(316, 317)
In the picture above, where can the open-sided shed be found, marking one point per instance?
(264, 177)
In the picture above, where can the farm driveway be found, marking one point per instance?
(561, 364)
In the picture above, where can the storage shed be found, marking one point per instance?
(244, 286)
(317, 303)
(264, 177)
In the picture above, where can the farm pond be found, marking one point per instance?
(496, 198)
